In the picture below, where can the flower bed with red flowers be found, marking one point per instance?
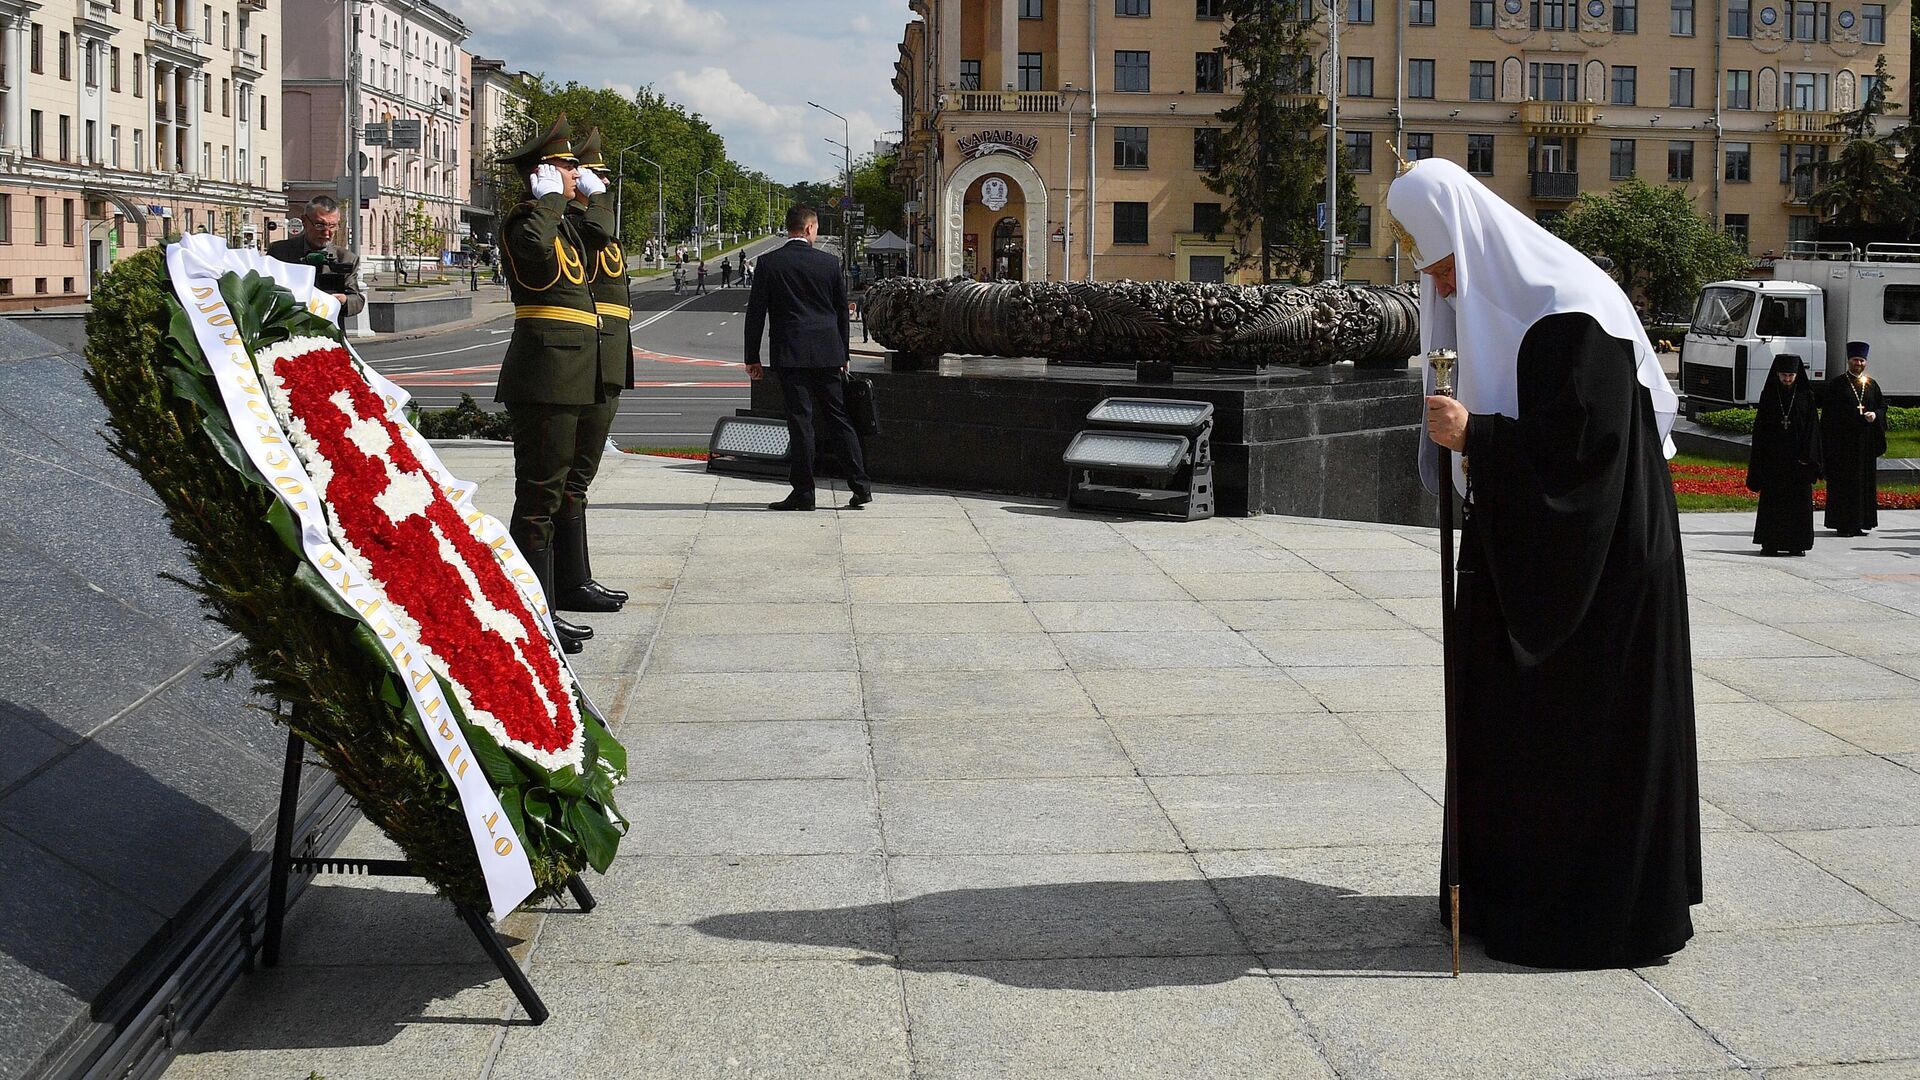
(1723, 482)
(444, 586)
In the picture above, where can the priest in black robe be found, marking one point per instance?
(1576, 783)
(1853, 432)
(1785, 460)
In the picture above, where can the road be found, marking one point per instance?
(687, 361)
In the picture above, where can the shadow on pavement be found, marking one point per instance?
(1128, 935)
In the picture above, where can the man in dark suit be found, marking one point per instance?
(801, 287)
(337, 270)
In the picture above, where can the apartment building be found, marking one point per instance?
(1069, 138)
(125, 121)
(396, 66)
(498, 97)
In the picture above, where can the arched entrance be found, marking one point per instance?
(1021, 220)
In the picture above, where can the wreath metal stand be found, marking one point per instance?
(285, 863)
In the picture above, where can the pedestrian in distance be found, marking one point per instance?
(550, 380)
(799, 293)
(1853, 434)
(679, 278)
(726, 272)
(473, 276)
(1575, 779)
(1785, 460)
(700, 278)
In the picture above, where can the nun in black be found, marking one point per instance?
(1576, 777)
(1785, 460)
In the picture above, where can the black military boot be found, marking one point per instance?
(574, 587)
(572, 635)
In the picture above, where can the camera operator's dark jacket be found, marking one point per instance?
(338, 271)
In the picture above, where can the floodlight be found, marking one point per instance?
(748, 444)
(1144, 456)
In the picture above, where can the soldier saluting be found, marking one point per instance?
(550, 379)
(606, 265)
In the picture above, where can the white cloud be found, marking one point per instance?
(540, 38)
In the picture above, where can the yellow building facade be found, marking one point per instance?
(1069, 139)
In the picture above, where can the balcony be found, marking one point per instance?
(174, 45)
(1809, 127)
(1555, 186)
(247, 65)
(1005, 101)
(1557, 117)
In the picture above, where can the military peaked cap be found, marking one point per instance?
(556, 142)
(591, 153)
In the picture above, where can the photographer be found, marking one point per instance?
(337, 270)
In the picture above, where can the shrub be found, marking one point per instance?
(1739, 421)
(466, 420)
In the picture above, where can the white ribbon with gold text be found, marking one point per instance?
(195, 265)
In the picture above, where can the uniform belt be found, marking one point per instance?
(558, 314)
(618, 311)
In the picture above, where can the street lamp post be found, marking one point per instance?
(659, 213)
(699, 233)
(846, 201)
(1066, 227)
(1333, 139)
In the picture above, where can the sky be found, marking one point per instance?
(748, 66)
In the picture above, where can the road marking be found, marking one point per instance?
(644, 323)
(444, 352)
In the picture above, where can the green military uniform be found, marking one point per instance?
(550, 379)
(606, 271)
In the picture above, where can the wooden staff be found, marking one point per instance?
(1442, 361)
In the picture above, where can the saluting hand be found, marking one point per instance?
(546, 180)
(1447, 422)
(588, 183)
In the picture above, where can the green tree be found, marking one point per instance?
(421, 237)
(1663, 251)
(873, 189)
(1862, 192)
(1271, 165)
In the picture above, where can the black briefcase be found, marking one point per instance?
(861, 408)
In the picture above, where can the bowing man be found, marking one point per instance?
(1577, 787)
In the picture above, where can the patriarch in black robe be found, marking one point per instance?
(1785, 460)
(1575, 771)
(1853, 432)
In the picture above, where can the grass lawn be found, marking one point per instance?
(1903, 444)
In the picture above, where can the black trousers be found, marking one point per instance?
(801, 387)
(556, 451)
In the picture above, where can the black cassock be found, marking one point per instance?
(1853, 448)
(1578, 786)
(1784, 464)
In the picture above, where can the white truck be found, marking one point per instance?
(1822, 296)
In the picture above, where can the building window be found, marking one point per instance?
(1206, 148)
(1030, 71)
(1419, 145)
(1129, 148)
(969, 74)
(1553, 82)
(1619, 159)
(1739, 89)
(40, 285)
(1419, 78)
(1810, 20)
(1359, 76)
(263, 170)
(1209, 73)
(1739, 18)
(226, 100)
(66, 56)
(263, 113)
(1206, 219)
(6, 218)
(1740, 162)
(1480, 80)
(1680, 88)
(1802, 227)
(92, 63)
(1680, 22)
(1130, 71)
(1419, 12)
(1209, 269)
(1626, 88)
(113, 145)
(66, 138)
(113, 68)
(1360, 11)
(1136, 9)
(1626, 16)
(1480, 14)
(1480, 155)
(66, 222)
(206, 24)
(1805, 91)
(139, 151)
(1362, 234)
(139, 77)
(40, 222)
(1359, 146)
(93, 143)
(1129, 223)
(1680, 161)
(1554, 14)
(1033, 9)
(1207, 9)
(1737, 228)
(34, 63)
(36, 120)
(1873, 24)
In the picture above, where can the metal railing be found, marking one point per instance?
(1556, 186)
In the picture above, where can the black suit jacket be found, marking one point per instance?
(801, 288)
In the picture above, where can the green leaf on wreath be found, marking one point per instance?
(193, 388)
(598, 838)
(494, 761)
(285, 527)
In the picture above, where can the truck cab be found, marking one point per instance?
(1738, 328)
